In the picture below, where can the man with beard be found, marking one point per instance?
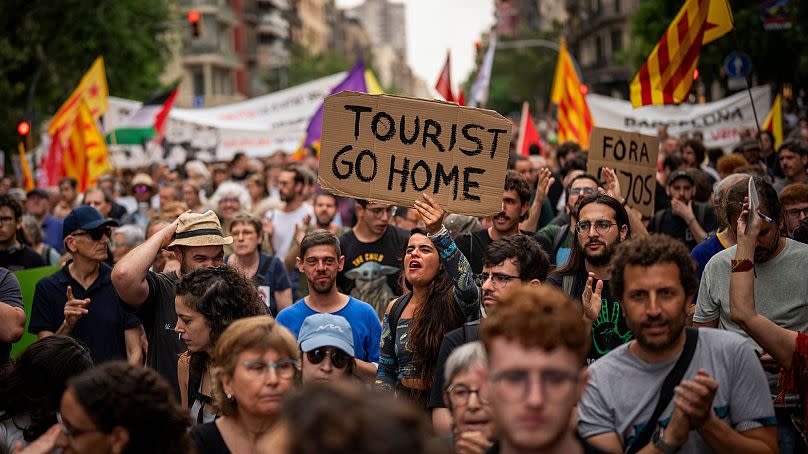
(197, 242)
(794, 161)
(320, 260)
(281, 221)
(602, 224)
(721, 403)
(515, 206)
(508, 263)
(372, 250)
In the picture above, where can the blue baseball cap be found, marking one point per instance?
(84, 217)
(326, 330)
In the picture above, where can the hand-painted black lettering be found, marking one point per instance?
(607, 144)
(391, 126)
(427, 181)
(404, 172)
(348, 164)
(494, 140)
(402, 129)
(358, 111)
(359, 158)
(468, 183)
(453, 137)
(467, 133)
(442, 177)
(433, 134)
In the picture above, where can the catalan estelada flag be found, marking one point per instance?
(774, 121)
(574, 119)
(667, 74)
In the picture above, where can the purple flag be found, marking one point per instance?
(354, 81)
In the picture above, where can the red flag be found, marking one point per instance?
(444, 83)
(461, 98)
(527, 133)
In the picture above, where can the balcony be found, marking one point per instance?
(199, 53)
(217, 8)
(273, 24)
(272, 55)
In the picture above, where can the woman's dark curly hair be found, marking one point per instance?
(117, 394)
(432, 320)
(222, 295)
(34, 384)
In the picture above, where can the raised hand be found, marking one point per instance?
(591, 299)
(543, 184)
(683, 210)
(431, 212)
(74, 308)
(613, 189)
(695, 398)
(167, 232)
(42, 445)
(301, 229)
(471, 443)
(748, 239)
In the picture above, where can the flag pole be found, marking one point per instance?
(746, 82)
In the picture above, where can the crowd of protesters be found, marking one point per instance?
(238, 307)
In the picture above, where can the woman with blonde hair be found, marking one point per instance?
(256, 366)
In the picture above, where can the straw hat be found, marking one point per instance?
(196, 229)
(143, 179)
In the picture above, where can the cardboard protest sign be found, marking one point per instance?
(390, 149)
(633, 157)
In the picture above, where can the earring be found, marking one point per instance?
(229, 396)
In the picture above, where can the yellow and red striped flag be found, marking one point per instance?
(92, 89)
(774, 121)
(86, 158)
(574, 119)
(667, 75)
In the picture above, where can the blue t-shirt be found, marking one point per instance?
(52, 228)
(367, 331)
(705, 251)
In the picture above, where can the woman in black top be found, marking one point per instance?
(256, 366)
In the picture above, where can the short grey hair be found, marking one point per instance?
(198, 167)
(461, 359)
(132, 234)
(232, 189)
(721, 187)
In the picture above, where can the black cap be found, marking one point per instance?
(38, 192)
(84, 217)
(675, 175)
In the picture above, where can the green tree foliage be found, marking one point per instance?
(304, 67)
(55, 42)
(777, 56)
(519, 74)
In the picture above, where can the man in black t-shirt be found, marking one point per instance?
(685, 220)
(372, 249)
(197, 242)
(14, 255)
(602, 224)
(515, 205)
(508, 263)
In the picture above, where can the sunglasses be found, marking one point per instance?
(95, 234)
(141, 188)
(339, 358)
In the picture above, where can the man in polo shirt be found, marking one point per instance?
(79, 301)
(197, 242)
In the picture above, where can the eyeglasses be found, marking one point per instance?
(514, 385)
(6, 220)
(285, 368)
(229, 200)
(339, 358)
(459, 395)
(585, 191)
(792, 213)
(498, 279)
(141, 188)
(72, 432)
(94, 234)
(602, 226)
(379, 212)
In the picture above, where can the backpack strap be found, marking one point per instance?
(395, 312)
(470, 329)
(567, 282)
(559, 237)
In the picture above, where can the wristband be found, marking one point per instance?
(742, 265)
(442, 231)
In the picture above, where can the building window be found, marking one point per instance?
(598, 50)
(199, 83)
(617, 6)
(617, 41)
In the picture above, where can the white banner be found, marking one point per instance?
(259, 127)
(720, 121)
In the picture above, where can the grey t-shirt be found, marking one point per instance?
(623, 390)
(781, 290)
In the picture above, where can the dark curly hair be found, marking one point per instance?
(652, 250)
(117, 394)
(34, 384)
(525, 251)
(222, 295)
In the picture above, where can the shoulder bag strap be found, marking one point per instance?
(396, 311)
(666, 392)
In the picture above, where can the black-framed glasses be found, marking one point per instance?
(514, 385)
(792, 213)
(582, 191)
(379, 212)
(339, 359)
(460, 394)
(285, 368)
(498, 279)
(69, 430)
(95, 234)
(602, 226)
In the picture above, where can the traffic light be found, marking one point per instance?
(583, 89)
(195, 20)
(23, 128)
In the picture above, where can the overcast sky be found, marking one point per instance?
(435, 26)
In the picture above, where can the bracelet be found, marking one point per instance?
(742, 265)
(442, 231)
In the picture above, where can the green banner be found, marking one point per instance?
(28, 279)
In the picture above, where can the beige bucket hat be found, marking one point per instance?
(196, 229)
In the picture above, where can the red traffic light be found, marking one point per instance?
(583, 89)
(194, 16)
(695, 73)
(23, 128)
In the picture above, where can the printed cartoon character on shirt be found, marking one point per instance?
(370, 280)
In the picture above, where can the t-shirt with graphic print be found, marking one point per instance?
(609, 330)
(622, 390)
(371, 272)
